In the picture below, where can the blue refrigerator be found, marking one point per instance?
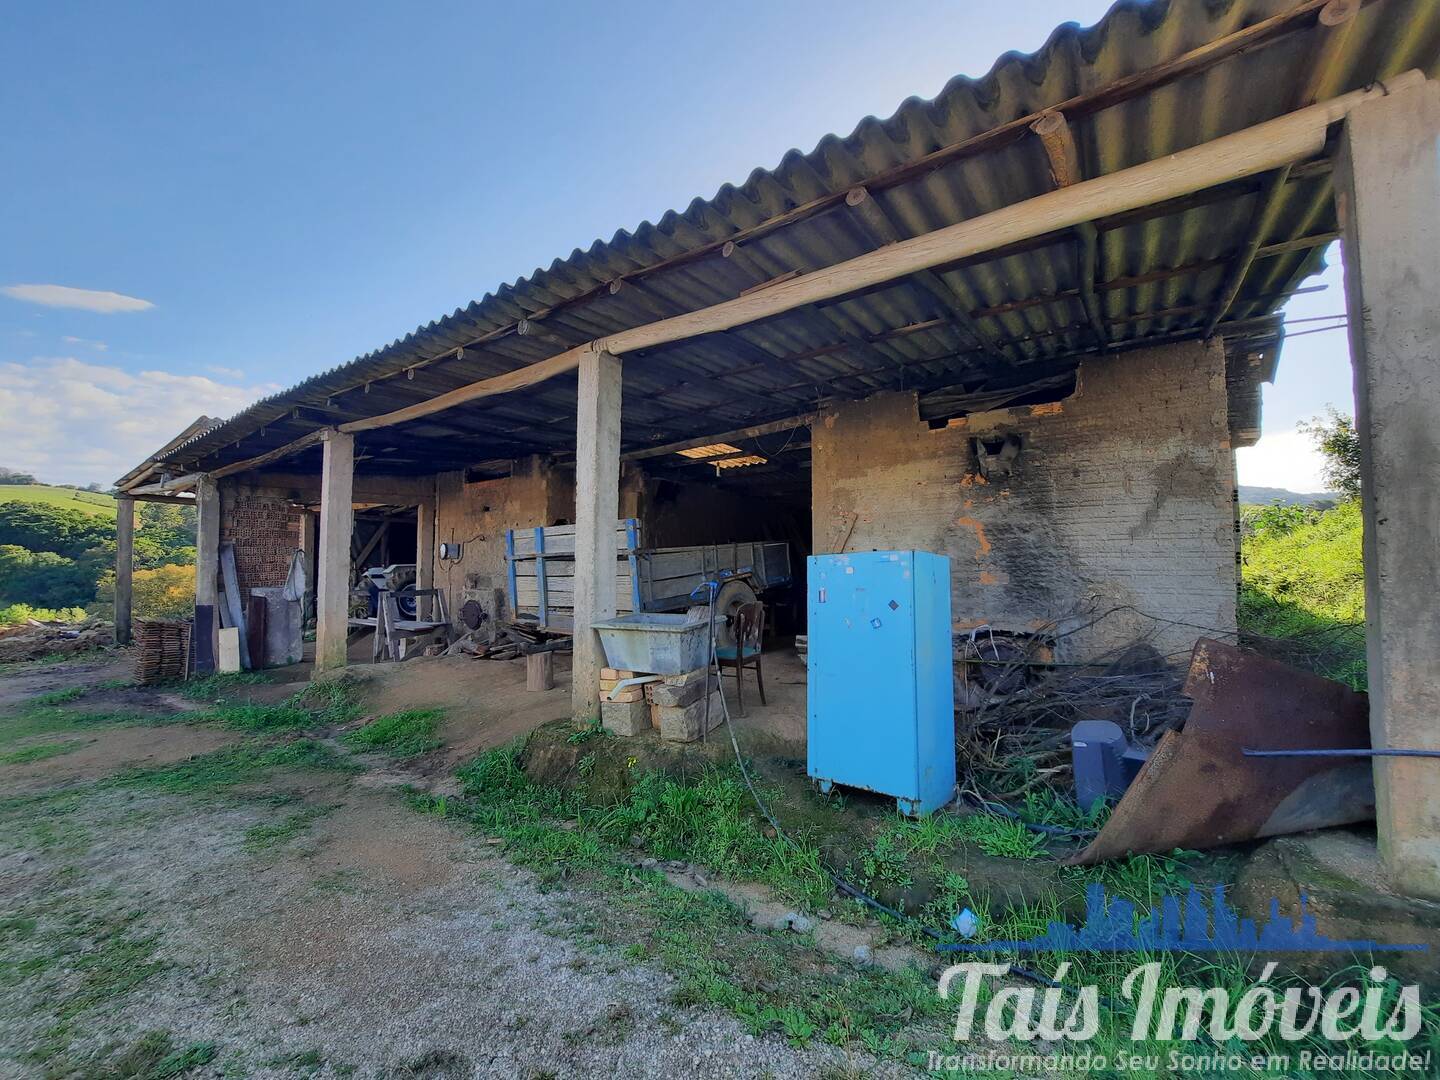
(881, 691)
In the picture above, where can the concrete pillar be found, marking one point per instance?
(124, 566)
(425, 554)
(332, 603)
(597, 508)
(207, 573)
(1387, 181)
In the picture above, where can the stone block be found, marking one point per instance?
(686, 723)
(672, 695)
(625, 717)
(687, 679)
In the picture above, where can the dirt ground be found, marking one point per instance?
(310, 923)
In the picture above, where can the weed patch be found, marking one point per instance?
(37, 752)
(60, 697)
(268, 835)
(233, 765)
(403, 734)
(220, 685)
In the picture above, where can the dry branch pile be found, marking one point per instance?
(1016, 707)
(33, 640)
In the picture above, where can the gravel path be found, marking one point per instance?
(373, 942)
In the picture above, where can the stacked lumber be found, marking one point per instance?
(162, 650)
(673, 705)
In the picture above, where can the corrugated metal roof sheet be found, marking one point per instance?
(1026, 303)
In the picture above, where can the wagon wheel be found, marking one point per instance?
(730, 597)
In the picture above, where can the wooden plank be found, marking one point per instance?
(304, 442)
(234, 605)
(124, 566)
(230, 643)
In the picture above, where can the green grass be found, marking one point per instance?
(37, 752)
(772, 981)
(1303, 582)
(87, 502)
(59, 697)
(222, 769)
(319, 705)
(219, 686)
(272, 834)
(51, 719)
(403, 734)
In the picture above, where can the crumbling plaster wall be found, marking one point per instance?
(1121, 497)
(478, 514)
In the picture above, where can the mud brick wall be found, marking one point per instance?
(1121, 494)
(477, 515)
(265, 530)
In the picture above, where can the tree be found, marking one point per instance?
(1337, 440)
(41, 527)
(166, 592)
(44, 579)
(14, 476)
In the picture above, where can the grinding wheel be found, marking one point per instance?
(733, 594)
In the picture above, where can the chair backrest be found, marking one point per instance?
(750, 624)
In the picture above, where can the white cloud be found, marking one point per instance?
(69, 421)
(63, 296)
(1283, 459)
(225, 372)
(98, 346)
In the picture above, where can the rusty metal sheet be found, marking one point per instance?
(1199, 791)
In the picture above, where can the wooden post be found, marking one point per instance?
(332, 607)
(124, 566)
(540, 671)
(1387, 181)
(207, 573)
(424, 555)
(597, 509)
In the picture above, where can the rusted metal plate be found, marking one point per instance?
(1199, 791)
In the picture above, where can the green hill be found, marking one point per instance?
(87, 502)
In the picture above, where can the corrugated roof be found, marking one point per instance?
(1159, 274)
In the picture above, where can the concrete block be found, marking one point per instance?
(625, 717)
(687, 679)
(671, 695)
(686, 723)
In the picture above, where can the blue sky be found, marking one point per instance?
(286, 186)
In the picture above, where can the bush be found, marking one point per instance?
(1303, 580)
(166, 592)
(16, 614)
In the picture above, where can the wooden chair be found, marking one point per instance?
(748, 624)
(398, 630)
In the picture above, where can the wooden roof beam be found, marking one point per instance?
(880, 227)
(1262, 221)
(1262, 148)
(1058, 140)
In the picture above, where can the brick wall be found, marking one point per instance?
(265, 529)
(1121, 495)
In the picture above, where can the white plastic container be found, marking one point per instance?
(654, 643)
